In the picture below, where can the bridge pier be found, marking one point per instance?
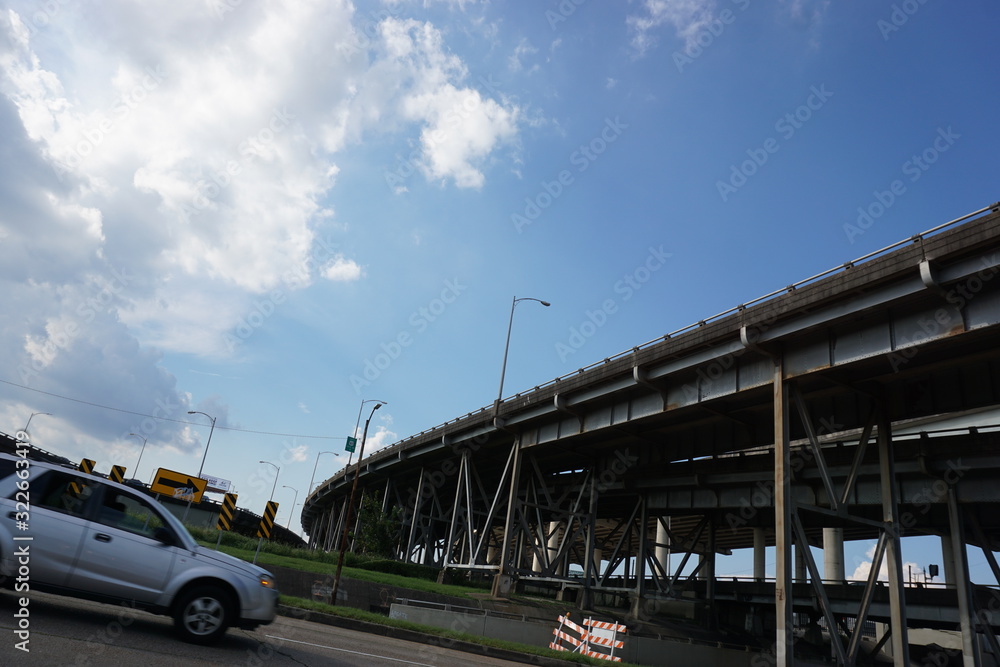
(833, 554)
(759, 554)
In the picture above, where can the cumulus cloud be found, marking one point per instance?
(864, 568)
(342, 269)
(165, 170)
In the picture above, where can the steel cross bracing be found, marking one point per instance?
(783, 424)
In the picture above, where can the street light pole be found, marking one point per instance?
(361, 407)
(350, 505)
(32, 416)
(510, 325)
(318, 454)
(203, 456)
(276, 471)
(135, 473)
(288, 525)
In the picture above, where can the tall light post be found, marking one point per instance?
(318, 454)
(361, 407)
(350, 505)
(135, 473)
(32, 416)
(288, 525)
(276, 471)
(510, 324)
(203, 456)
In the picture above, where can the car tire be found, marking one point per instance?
(202, 614)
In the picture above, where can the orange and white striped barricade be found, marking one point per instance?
(603, 636)
(562, 636)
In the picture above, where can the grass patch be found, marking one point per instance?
(320, 566)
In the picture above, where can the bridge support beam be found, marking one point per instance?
(503, 583)
(890, 516)
(970, 642)
(784, 647)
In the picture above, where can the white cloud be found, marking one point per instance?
(521, 51)
(460, 127)
(166, 171)
(863, 568)
(201, 151)
(342, 270)
(688, 18)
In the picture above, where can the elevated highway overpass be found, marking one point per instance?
(809, 416)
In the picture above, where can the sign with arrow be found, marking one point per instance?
(178, 485)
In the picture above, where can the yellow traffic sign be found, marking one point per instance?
(178, 485)
(267, 521)
(86, 466)
(117, 474)
(227, 512)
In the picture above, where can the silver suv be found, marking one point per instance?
(81, 535)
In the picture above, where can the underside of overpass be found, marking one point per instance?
(814, 415)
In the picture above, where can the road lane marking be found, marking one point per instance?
(344, 650)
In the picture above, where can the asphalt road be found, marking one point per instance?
(76, 633)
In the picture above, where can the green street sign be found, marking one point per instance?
(351, 442)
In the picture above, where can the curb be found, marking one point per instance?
(419, 637)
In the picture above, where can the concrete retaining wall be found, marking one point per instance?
(638, 650)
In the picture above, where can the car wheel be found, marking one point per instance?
(202, 614)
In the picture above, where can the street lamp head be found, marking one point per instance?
(545, 303)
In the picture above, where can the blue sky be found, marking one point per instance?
(271, 211)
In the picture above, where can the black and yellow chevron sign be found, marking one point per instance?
(267, 521)
(227, 512)
(117, 474)
(86, 466)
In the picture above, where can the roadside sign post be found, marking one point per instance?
(227, 513)
(266, 523)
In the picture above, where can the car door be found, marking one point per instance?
(121, 555)
(60, 501)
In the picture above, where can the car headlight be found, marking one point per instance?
(266, 582)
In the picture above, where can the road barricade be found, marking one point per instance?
(596, 639)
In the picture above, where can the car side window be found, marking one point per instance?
(127, 512)
(63, 492)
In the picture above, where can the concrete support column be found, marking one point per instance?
(759, 554)
(948, 560)
(551, 546)
(800, 563)
(833, 554)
